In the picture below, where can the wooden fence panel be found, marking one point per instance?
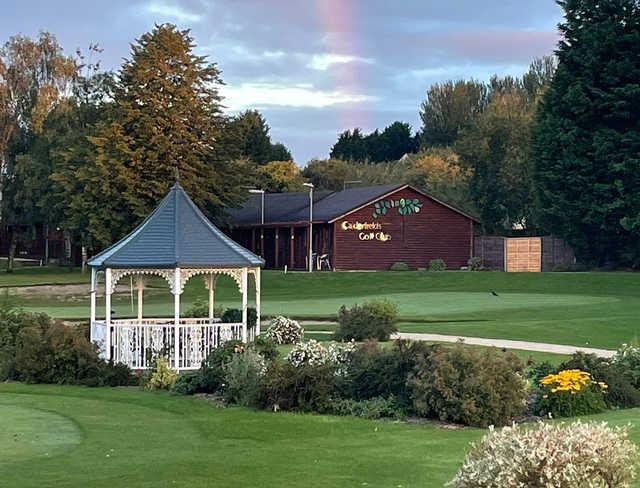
(523, 254)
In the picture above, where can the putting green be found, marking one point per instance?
(27, 433)
(439, 304)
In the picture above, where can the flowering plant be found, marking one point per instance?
(285, 331)
(570, 392)
(551, 454)
(628, 358)
(313, 353)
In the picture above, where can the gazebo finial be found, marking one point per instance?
(176, 174)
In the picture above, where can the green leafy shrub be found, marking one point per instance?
(188, 383)
(474, 263)
(234, 316)
(12, 320)
(162, 376)
(242, 377)
(570, 267)
(375, 319)
(399, 266)
(374, 371)
(537, 371)
(627, 358)
(200, 309)
(570, 393)
(267, 348)
(617, 375)
(464, 385)
(303, 388)
(212, 368)
(283, 330)
(437, 265)
(115, 374)
(556, 455)
(372, 408)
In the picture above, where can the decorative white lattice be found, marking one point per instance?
(118, 274)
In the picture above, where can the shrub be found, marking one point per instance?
(162, 376)
(234, 316)
(304, 388)
(628, 359)
(200, 309)
(212, 368)
(474, 263)
(569, 393)
(437, 265)
(187, 383)
(375, 319)
(468, 386)
(618, 375)
(115, 374)
(242, 376)
(382, 372)
(537, 371)
(309, 352)
(267, 348)
(284, 331)
(570, 267)
(399, 266)
(372, 408)
(12, 320)
(563, 456)
(339, 355)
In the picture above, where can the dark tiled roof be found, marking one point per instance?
(294, 206)
(175, 234)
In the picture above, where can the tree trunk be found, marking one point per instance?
(13, 244)
(84, 259)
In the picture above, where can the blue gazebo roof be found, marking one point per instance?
(176, 234)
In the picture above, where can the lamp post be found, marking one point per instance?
(310, 186)
(261, 192)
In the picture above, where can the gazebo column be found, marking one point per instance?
(176, 316)
(107, 312)
(244, 304)
(212, 296)
(257, 279)
(140, 287)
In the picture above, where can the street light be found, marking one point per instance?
(310, 186)
(261, 192)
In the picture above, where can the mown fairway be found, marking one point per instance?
(105, 437)
(595, 309)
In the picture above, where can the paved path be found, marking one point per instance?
(501, 343)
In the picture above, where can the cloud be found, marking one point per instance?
(322, 62)
(254, 95)
(170, 12)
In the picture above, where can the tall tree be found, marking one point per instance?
(167, 117)
(35, 75)
(449, 108)
(329, 174)
(587, 140)
(281, 176)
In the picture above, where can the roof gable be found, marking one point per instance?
(176, 234)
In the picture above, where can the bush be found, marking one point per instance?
(309, 352)
(437, 265)
(284, 331)
(463, 385)
(234, 316)
(563, 456)
(242, 376)
(267, 348)
(200, 309)
(12, 320)
(304, 388)
(212, 368)
(162, 376)
(474, 263)
(399, 266)
(372, 320)
(187, 383)
(372, 408)
(617, 375)
(569, 267)
(382, 372)
(627, 358)
(115, 374)
(537, 371)
(569, 393)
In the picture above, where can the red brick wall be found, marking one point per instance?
(435, 232)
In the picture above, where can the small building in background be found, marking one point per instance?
(367, 228)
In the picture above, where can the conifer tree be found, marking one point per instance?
(587, 140)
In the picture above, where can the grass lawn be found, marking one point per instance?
(594, 309)
(104, 437)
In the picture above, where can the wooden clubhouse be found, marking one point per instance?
(367, 228)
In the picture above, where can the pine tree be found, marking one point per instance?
(587, 140)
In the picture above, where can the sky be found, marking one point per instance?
(315, 67)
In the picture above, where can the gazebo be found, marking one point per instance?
(176, 242)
